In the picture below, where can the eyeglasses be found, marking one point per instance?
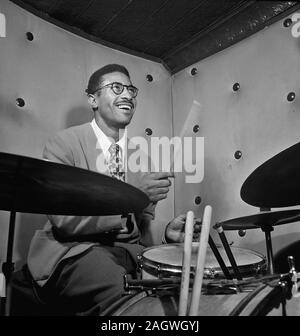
(118, 88)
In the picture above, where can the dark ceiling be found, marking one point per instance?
(176, 33)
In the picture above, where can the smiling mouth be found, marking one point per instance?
(125, 106)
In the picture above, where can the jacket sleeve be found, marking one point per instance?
(58, 151)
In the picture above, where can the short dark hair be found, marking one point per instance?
(96, 77)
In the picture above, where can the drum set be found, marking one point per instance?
(195, 278)
(233, 281)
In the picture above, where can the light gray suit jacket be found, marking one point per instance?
(77, 146)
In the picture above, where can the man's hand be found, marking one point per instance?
(174, 232)
(156, 185)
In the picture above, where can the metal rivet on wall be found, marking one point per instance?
(29, 36)
(197, 200)
(149, 78)
(238, 154)
(291, 96)
(194, 71)
(20, 102)
(236, 86)
(196, 128)
(287, 22)
(148, 131)
(242, 233)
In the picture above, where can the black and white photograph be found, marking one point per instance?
(149, 161)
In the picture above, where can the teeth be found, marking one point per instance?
(126, 107)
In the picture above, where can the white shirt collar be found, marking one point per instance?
(105, 142)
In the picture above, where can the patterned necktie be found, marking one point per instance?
(116, 170)
(115, 163)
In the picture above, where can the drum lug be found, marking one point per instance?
(139, 266)
(158, 270)
(257, 269)
(295, 276)
(210, 272)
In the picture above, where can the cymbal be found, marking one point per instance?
(276, 182)
(37, 186)
(262, 219)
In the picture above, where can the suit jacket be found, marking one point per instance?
(66, 236)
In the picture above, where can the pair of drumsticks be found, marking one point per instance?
(186, 266)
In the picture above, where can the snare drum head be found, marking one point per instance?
(168, 258)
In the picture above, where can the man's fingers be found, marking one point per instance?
(162, 183)
(156, 198)
(152, 184)
(161, 175)
(182, 216)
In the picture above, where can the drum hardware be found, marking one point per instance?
(267, 230)
(150, 284)
(266, 221)
(274, 184)
(224, 286)
(257, 269)
(294, 277)
(265, 298)
(258, 296)
(266, 301)
(36, 186)
(284, 287)
(173, 285)
(139, 265)
(211, 273)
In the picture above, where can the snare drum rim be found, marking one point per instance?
(160, 269)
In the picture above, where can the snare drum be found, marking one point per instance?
(166, 261)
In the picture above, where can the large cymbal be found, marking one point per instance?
(262, 219)
(276, 182)
(38, 186)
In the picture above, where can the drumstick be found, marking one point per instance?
(217, 254)
(228, 251)
(219, 257)
(186, 265)
(197, 286)
(176, 150)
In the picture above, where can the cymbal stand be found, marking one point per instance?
(267, 229)
(8, 266)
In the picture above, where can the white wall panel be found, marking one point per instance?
(257, 120)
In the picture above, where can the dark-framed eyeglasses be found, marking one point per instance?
(118, 88)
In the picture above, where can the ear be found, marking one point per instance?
(93, 101)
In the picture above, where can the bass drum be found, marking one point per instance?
(262, 301)
(166, 261)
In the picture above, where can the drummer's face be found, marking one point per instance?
(115, 110)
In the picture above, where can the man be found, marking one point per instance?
(82, 260)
